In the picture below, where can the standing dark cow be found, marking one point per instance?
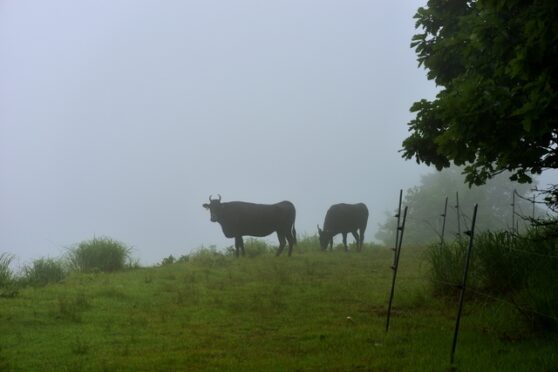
(344, 218)
(240, 218)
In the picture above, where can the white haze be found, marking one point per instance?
(119, 118)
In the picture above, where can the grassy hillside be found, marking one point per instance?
(313, 311)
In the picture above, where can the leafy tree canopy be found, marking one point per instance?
(497, 110)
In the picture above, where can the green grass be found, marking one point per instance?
(262, 313)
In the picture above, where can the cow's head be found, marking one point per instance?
(325, 237)
(214, 207)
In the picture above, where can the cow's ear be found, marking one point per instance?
(319, 230)
(205, 205)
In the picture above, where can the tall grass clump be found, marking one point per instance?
(521, 270)
(6, 274)
(501, 261)
(446, 266)
(99, 254)
(44, 271)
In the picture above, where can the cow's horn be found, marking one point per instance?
(210, 197)
(219, 195)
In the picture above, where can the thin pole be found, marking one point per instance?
(471, 234)
(398, 215)
(513, 211)
(444, 221)
(394, 268)
(533, 202)
(458, 214)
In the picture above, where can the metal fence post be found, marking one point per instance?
(395, 266)
(471, 234)
(513, 211)
(458, 214)
(444, 221)
(398, 216)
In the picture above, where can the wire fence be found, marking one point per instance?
(521, 219)
(477, 292)
(504, 299)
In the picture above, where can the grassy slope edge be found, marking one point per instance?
(313, 311)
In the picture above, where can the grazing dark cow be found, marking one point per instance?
(240, 218)
(344, 218)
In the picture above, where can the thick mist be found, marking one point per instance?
(120, 118)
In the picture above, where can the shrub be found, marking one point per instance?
(6, 275)
(44, 271)
(99, 254)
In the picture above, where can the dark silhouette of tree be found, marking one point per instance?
(497, 110)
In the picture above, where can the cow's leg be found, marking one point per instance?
(331, 243)
(345, 241)
(291, 240)
(237, 243)
(282, 242)
(242, 245)
(361, 235)
(357, 239)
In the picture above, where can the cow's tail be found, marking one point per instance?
(293, 230)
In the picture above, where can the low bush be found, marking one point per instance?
(44, 271)
(100, 254)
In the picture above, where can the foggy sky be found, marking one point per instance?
(119, 118)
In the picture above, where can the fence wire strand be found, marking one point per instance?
(479, 293)
(466, 223)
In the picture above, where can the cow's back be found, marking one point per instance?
(243, 218)
(346, 217)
